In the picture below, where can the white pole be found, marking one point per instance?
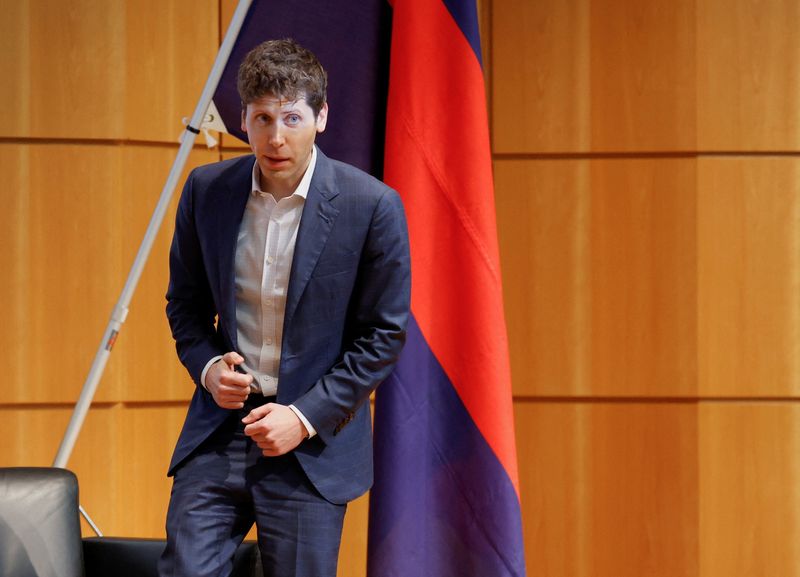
(120, 311)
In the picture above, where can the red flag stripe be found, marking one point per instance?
(438, 158)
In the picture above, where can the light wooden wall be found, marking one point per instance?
(94, 96)
(94, 93)
(647, 166)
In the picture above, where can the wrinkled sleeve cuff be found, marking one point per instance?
(311, 430)
(205, 370)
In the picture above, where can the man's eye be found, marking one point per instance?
(292, 119)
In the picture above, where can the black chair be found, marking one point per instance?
(40, 534)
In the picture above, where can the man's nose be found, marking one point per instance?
(276, 135)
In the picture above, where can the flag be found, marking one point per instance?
(446, 496)
(351, 40)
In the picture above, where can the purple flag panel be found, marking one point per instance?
(443, 505)
(351, 39)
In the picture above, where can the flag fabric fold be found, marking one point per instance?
(446, 495)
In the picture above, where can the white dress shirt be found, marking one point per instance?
(264, 253)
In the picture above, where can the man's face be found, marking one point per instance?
(282, 134)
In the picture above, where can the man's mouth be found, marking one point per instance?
(277, 159)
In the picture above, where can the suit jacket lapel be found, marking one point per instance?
(319, 214)
(230, 210)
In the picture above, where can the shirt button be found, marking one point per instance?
(269, 341)
(270, 260)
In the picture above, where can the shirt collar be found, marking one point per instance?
(302, 187)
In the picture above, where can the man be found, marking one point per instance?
(304, 263)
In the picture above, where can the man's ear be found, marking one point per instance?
(244, 125)
(322, 118)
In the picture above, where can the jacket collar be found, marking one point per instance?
(316, 223)
(319, 214)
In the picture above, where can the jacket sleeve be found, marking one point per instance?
(377, 325)
(190, 305)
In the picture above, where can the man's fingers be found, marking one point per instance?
(229, 376)
(239, 380)
(233, 396)
(230, 397)
(269, 447)
(232, 358)
(274, 428)
(231, 405)
(229, 388)
(256, 414)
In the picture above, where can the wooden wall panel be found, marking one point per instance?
(750, 489)
(66, 223)
(31, 439)
(601, 247)
(748, 276)
(601, 76)
(120, 458)
(544, 216)
(117, 69)
(643, 75)
(540, 76)
(77, 84)
(644, 486)
(553, 448)
(15, 263)
(31, 435)
(15, 69)
(748, 81)
(169, 52)
(612, 493)
(353, 551)
(145, 356)
(643, 279)
(79, 218)
(147, 437)
(693, 289)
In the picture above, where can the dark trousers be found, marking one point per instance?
(226, 486)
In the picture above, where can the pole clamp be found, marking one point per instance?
(119, 314)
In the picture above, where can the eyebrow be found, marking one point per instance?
(291, 107)
(285, 108)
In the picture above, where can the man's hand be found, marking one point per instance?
(275, 428)
(229, 388)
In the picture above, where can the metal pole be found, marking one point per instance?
(120, 311)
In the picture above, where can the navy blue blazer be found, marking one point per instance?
(346, 310)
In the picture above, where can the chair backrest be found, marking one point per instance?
(40, 533)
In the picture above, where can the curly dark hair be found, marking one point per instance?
(284, 69)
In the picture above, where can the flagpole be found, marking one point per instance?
(120, 311)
